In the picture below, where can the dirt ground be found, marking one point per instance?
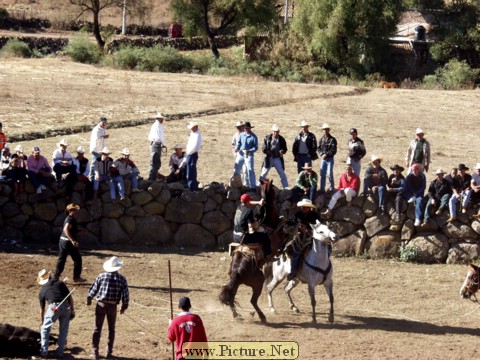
(384, 309)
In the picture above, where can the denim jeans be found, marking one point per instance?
(277, 164)
(240, 160)
(109, 311)
(119, 184)
(111, 185)
(133, 179)
(63, 316)
(303, 159)
(192, 182)
(326, 167)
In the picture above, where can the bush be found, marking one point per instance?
(453, 76)
(82, 50)
(201, 62)
(127, 57)
(4, 15)
(16, 48)
(409, 253)
(165, 59)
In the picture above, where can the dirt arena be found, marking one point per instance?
(384, 309)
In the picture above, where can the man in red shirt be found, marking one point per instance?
(186, 328)
(348, 186)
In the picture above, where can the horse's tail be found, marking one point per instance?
(268, 273)
(229, 290)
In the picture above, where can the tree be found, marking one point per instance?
(347, 36)
(211, 18)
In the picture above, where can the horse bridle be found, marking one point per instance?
(474, 285)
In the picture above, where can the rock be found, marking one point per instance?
(128, 224)
(112, 232)
(3, 200)
(351, 245)
(27, 209)
(37, 231)
(59, 220)
(456, 232)
(152, 229)
(383, 246)
(191, 235)
(83, 216)
(154, 208)
(370, 205)
(433, 248)
(94, 228)
(235, 182)
(18, 221)
(164, 197)
(341, 228)
(463, 253)
(216, 222)
(210, 205)
(376, 224)
(155, 188)
(229, 208)
(357, 201)
(113, 210)
(408, 230)
(87, 239)
(234, 194)
(141, 198)
(218, 198)
(10, 209)
(182, 211)
(194, 196)
(135, 210)
(95, 209)
(476, 226)
(224, 239)
(352, 214)
(10, 233)
(176, 186)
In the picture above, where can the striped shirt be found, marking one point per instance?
(110, 287)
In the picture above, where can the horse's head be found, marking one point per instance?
(471, 283)
(323, 233)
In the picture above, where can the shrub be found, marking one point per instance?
(16, 48)
(165, 59)
(127, 57)
(454, 75)
(201, 62)
(409, 253)
(82, 50)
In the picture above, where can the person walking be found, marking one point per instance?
(187, 328)
(356, 151)
(304, 147)
(109, 288)
(60, 307)
(247, 146)
(68, 245)
(274, 147)
(193, 148)
(327, 148)
(98, 141)
(157, 142)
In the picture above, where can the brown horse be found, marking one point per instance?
(246, 265)
(471, 283)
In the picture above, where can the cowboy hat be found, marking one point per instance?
(192, 124)
(439, 171)
(304, 123)
(80, 150)
(419, 131)
(105, 150)
(159, 115)
(113, 264)
(477, 167)
(463, 167)
(247, 125)
(125, 151)
(306, 203)
(397, 167)
(275, 127)
(308, 166)
(239, 124)
(72, 206)
(19, 148)
(6, 146)
(43, 277)
(325, 126)
(376, 158)
(178, 146)
(63, 142)
(245, 197)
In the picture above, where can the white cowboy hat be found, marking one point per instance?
(239, 123)
(306, 203)
(80, 150)
(275, 127)
(439, 171)
(325, 126)
(63, 142)
(307, 166)
(43, 277)
(192, 124)
(477, 167)
(112, 264)
(304, 123)
(125, 151)
(376, 158)
(105, 150)
(159, 115)
(419, 131)
(178, 146)
(19, 148)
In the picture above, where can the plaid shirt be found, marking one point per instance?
(110, 286)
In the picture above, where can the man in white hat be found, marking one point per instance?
(194, 145)
(125, 169)
(246, 148)
(177, 165)
(109, 288)
(306, 183)
(239, 125)
(5, 159)
(418, 152)
(98, 141)
(56, 295)
(38, 170)
(19, 169)
(63, 164)
(82, 166)
(157, 142)
(439, 193)
(304, 147)
(103, 172)
(274, 147)
(327, 148)
(375, 181)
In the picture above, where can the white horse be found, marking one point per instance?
(316, 269)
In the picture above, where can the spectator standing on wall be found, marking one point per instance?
(418, 152)
(98, 141)
(304, 147)
(356, 151)
(327, 148)
(193, 148)
(157, 142)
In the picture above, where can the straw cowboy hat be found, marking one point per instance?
(275, 127)
(80, 150)
(306, 203)
(126, 151)
(43, 277)
(376, 158)
(419, 131)
(325, 126)
(159, 115)
(178, 146)
(112, 264)
(397, 167)
(304, 123)
(477, 167)
(19, 148)
(239, 124)
(63, 142)
(439, 171)
(72, 206)
(192, 124)
(105, 150)
(308, 166)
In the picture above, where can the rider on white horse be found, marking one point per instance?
(306, 216)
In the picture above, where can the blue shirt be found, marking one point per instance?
(111, 287)
(247, 142)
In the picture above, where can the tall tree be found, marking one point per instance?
(211, 18)
(347, 36)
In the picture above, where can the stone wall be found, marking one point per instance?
(168, 214)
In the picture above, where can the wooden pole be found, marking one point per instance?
(171, 303)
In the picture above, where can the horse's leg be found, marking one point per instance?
(329, 288)
(277, 276)
(311, 292)
(257, 290)
(290, 285)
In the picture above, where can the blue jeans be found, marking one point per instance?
(119, 184)
(111, 185)
(38, 179)
(302, 159)
(192, 182)
(418, 207)
(368, 185)
(442, 204)
(326, 167)
(240, 160)
(277, 164)
(63, 316)
(133, 179)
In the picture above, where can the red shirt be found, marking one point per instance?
(353, 183)
(3, 140)
(186, 327)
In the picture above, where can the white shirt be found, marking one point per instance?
(58, 156)
(97, 139)
(156, 133)
(194, 143)
(181, 162)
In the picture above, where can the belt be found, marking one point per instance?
(108, 302)
(64, 238)
(238, 233)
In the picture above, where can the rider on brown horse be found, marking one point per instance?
(245, 226)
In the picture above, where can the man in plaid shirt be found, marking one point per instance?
(109, 288)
